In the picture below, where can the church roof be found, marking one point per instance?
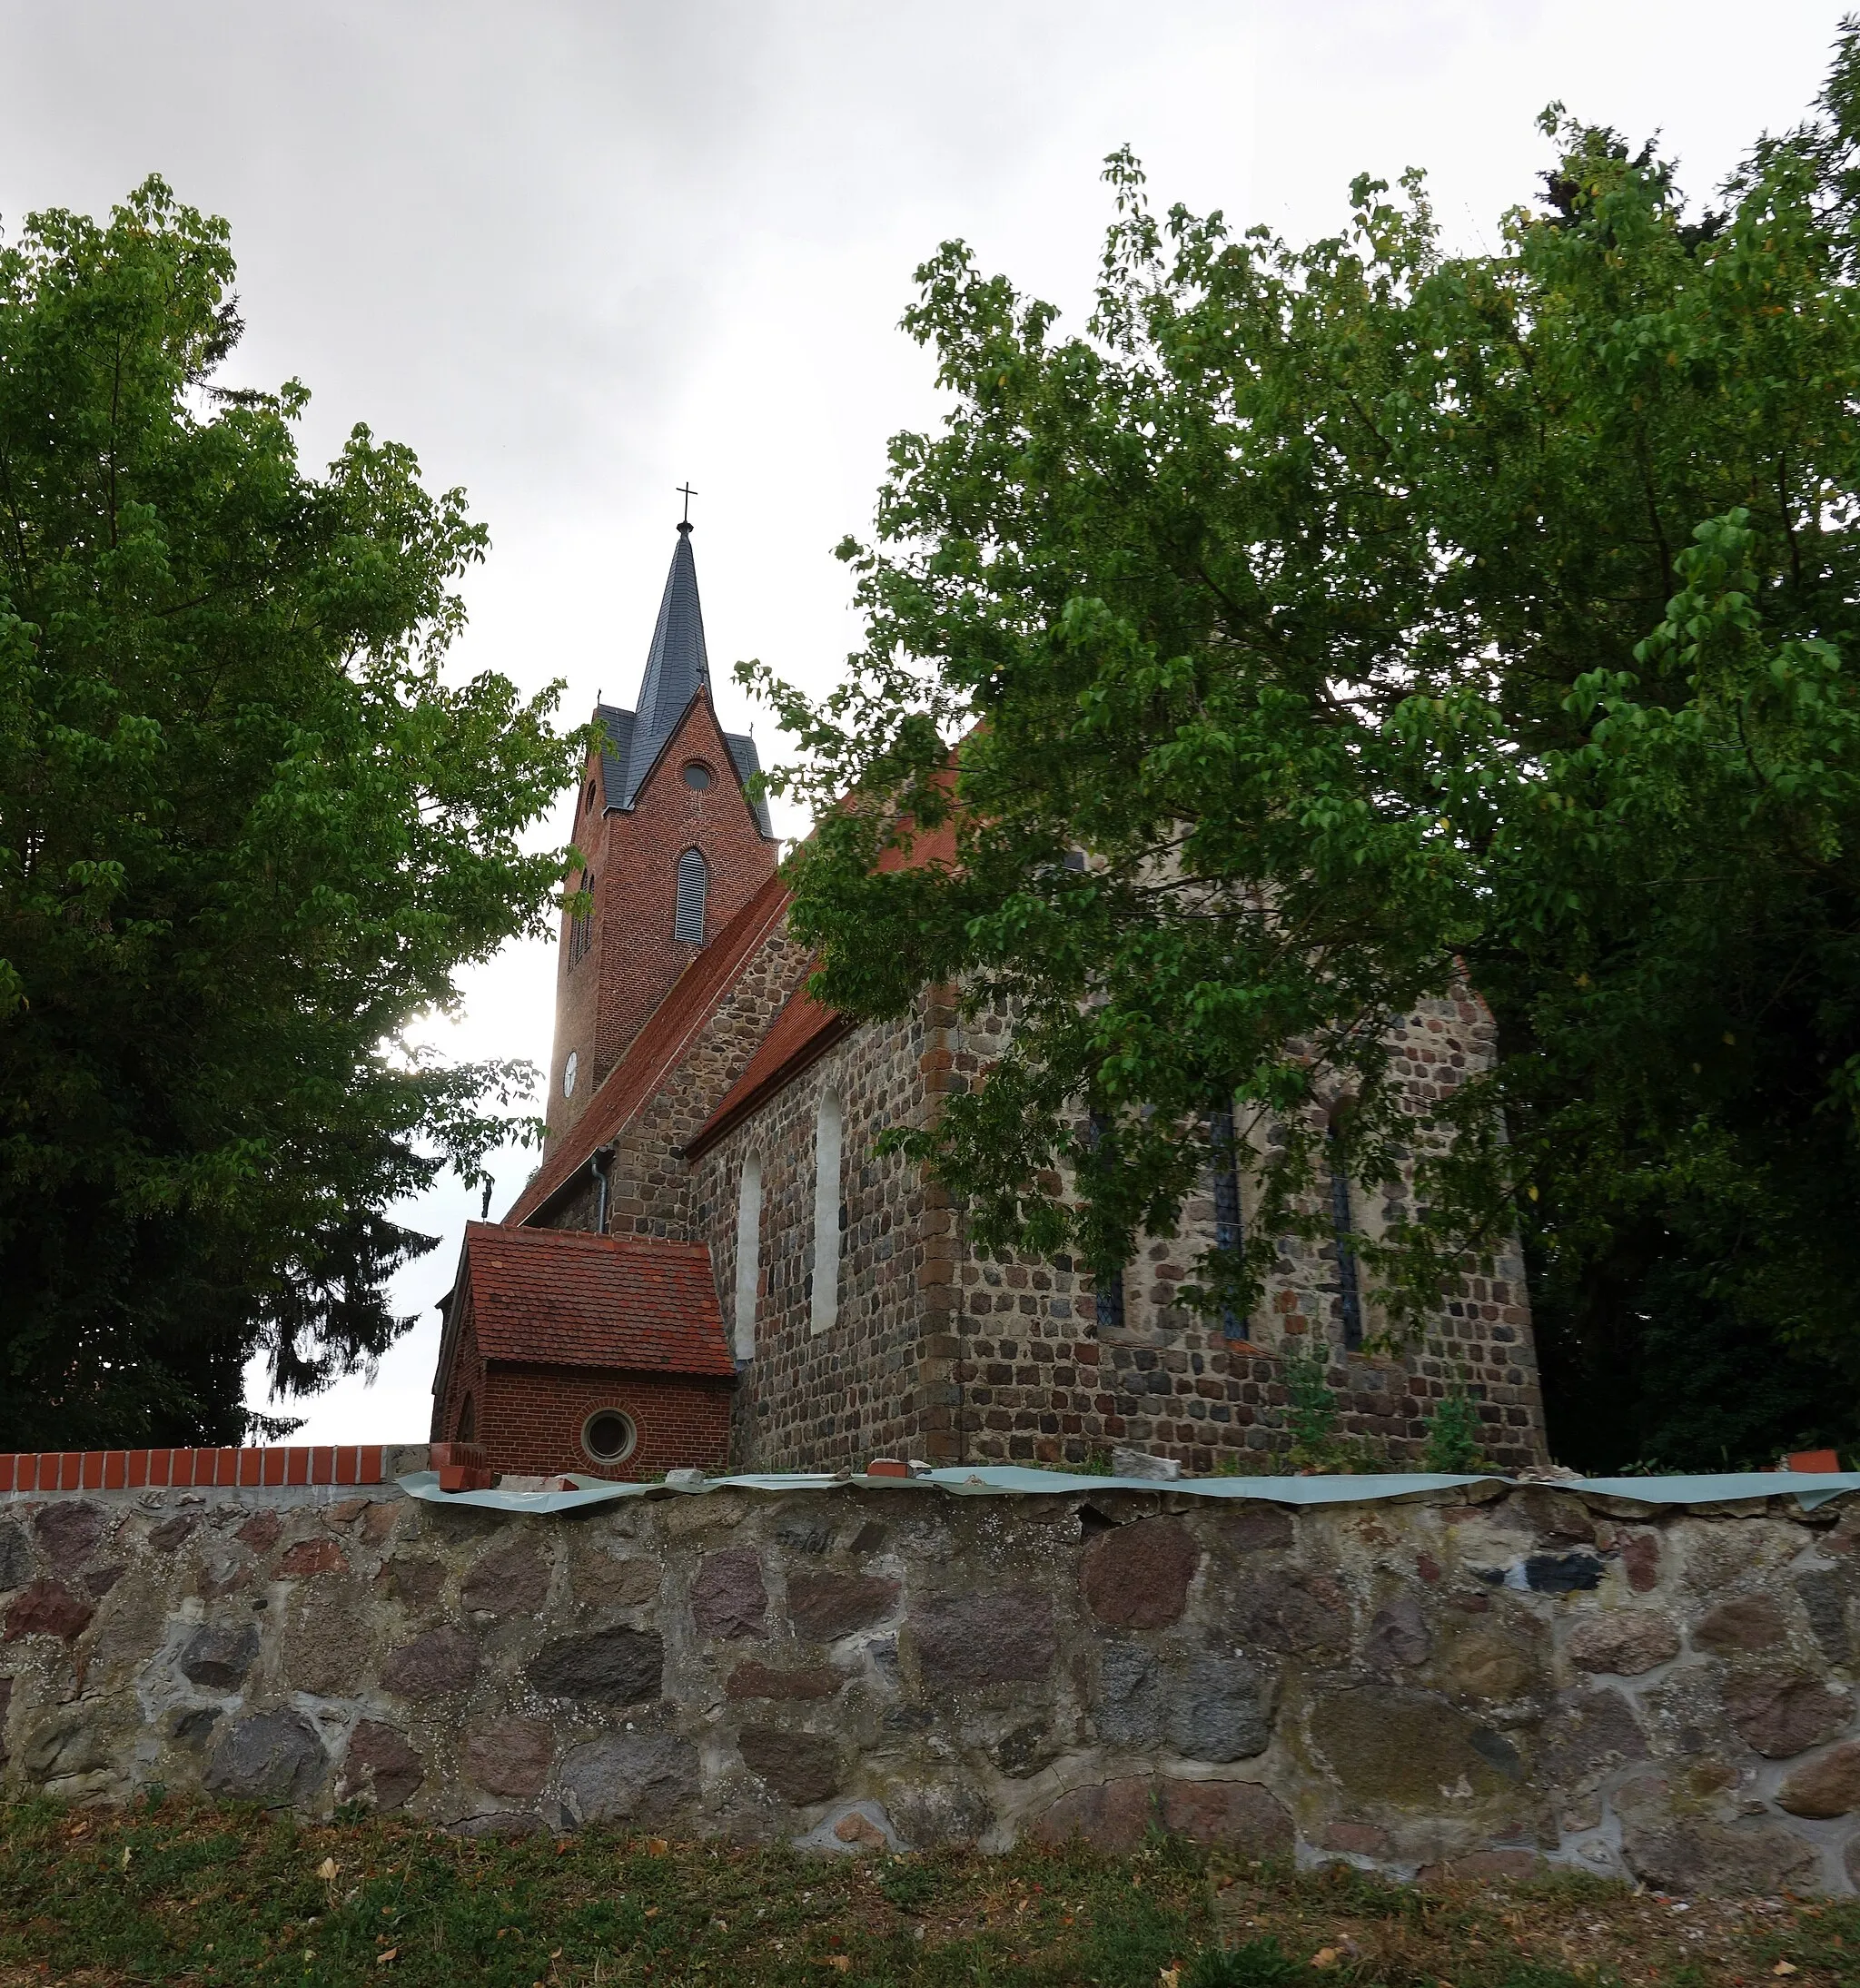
(633, 1082)
(564, 1297)
(677, 666)
(800, 1034)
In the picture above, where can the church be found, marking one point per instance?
(714, 1266)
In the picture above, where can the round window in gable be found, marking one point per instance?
(697, 774)
(609, 1437)
(568, 1070)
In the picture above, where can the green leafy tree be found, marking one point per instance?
(248, 833)
(1370, 615)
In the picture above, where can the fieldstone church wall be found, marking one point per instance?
(1483, 1677)
(1044, 1376)
(940, 1352)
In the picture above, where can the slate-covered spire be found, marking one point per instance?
(676, 667)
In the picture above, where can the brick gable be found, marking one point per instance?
(631, 963)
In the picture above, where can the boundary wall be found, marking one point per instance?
(1479, 1675)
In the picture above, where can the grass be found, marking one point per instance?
(183, 1892)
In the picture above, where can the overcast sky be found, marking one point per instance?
(575, 254)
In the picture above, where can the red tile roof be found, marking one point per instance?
(564, 1297)
(803, 1031)
(800, 1033)
(653, 1053)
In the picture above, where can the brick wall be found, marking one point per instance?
(532, 1416)
(182, 1469)
(528, 1420)
(577, 982)
(602, 1000)
(463, 1374)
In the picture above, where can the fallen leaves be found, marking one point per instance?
(387, 1954)
(326, 1870)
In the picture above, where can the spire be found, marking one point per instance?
(676, 667)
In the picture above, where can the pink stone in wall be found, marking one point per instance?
(728, 1598)
(46, 1607)
(1137, 1577)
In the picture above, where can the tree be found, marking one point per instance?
(1369, 615)
(248, 832)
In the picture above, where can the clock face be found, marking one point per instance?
(568, 1070)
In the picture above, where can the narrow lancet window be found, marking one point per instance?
(1228, 1236)
(749, 1254)
(825, 1303)
(694, 885)
(1343, 1234)
(1107, 1278)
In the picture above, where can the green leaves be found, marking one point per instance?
(1367, 616)
(249, 830)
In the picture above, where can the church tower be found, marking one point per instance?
(674, 846)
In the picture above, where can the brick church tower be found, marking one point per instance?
(673, 845)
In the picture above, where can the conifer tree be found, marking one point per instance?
(250, 830)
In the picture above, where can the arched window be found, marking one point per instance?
(468, 1421)
(1343, 1232)
(694, 885)
(827, 1213)
(749, 1254)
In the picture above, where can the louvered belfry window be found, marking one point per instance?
(582, 926)
(694, 882)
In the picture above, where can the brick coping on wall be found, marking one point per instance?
(383, 1463)
(137, 1469)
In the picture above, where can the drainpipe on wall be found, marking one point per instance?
(603, 1163)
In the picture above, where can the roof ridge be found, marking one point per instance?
(800, 1033)
(512, 1234)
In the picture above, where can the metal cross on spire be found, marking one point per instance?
(687, 493)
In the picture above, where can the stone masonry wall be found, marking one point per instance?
(945, 1354)
(817, 1400)
(1040, 1379)
(1482, 1678)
